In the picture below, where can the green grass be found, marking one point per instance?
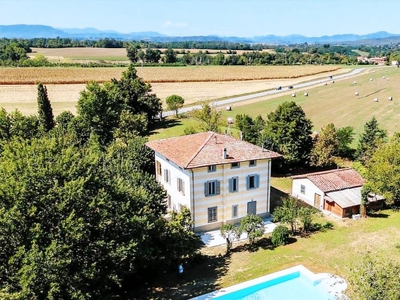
(333, 251)
(334, 103)
(361, 53)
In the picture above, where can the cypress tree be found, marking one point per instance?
(45, 111)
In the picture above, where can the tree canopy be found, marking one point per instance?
(288, 132)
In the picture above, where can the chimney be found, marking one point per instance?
(224, 154)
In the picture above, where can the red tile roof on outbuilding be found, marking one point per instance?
(204, 149)
(334, 180)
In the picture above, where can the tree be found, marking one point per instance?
(253, 225)
(345, 137)
(174, 102)
(45, 112)
(369, 140)
(374, 278)
(250, 129)
(170, 56)
(132, 51)
(280, 235)
(325, 147)
(306, 216)
(79, 223)
(230, 232)
(287, 213)
(209, 116)
(383, 171)
(288, 132)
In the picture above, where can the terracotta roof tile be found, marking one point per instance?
(203, 149)
(334, 180)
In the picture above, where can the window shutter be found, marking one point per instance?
(217, 188)
(237, 184)
(230, 185)
(183, 187)
(248, 182)
(206, 189)
(257, 183)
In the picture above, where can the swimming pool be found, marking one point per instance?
(297, 283)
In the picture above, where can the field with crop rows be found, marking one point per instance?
(157, 74)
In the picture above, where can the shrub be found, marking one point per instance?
(280, 235)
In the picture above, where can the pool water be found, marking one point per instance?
(290, 287)
(296, 283)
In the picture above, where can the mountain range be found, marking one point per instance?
(25, 31)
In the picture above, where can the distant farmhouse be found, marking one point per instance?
(372, 60)
(337, 191)
(219, 178)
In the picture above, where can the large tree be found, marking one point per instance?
(174, 102)
(383, 171)
(369, 140)
(288, 131)
(79, 223)
(325, 147)
(45, 111)
(209, 116)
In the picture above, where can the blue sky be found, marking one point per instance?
(244, 18)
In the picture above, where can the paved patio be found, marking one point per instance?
(213, 238)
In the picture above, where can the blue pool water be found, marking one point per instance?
(293, 286)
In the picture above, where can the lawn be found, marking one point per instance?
(333, 251)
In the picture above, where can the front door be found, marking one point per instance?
(317, 200)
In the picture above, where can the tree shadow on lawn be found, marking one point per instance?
(199, 277)
(164, 124)
(378, 215)
(277, 197)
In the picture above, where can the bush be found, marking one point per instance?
(328, 225)
(280, 235)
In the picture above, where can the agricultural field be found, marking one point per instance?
(332, 103)
(18, 85)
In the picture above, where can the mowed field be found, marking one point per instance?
(332, 103)
(194, 84)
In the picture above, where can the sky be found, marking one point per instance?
(241, 18)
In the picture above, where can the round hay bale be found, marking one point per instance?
(370, 79)
(306, 94)
(325, 83)
(390, 98)
(355, 82)
(376, 99)
(333, 81)
(383, 77)
(229, 108)
(293, 95)
(356, 93)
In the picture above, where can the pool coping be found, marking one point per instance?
(312, 277)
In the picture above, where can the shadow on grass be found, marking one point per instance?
(163, 124)
(378, 215)
(277, 197)
(199, 277)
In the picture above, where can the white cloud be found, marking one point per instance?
(175, 24)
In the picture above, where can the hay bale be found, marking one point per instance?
(354, 82)
(356, 93)
(390, 98)
(370, 79)
(229, 108)
(293, 95)
(376, 99)
(333, 81)
(306, 94)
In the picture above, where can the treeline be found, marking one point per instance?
(82, 216)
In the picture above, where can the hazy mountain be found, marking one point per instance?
(42, 31)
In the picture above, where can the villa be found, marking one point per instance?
(219, 178)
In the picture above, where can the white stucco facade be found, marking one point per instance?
(306, 191)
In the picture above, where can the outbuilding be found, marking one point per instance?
(337, 191)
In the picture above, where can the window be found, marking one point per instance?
(211, 188)
(303, 189)
(167, 176)
(233, 184)
(235, 209)
(252, 207)
(181, 185)
(252, 163)
(253, 181)
(212, 168)
(212, 214)
(158, 167)
(235, 165)
(169, 204)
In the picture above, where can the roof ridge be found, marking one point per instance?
(201, 147)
